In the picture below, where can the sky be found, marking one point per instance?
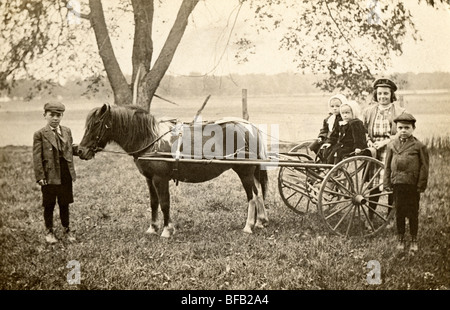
(204, 48)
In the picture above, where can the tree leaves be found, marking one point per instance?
(350, 41)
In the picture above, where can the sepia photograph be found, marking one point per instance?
(224, 152)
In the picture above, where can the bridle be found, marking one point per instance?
(103, 130)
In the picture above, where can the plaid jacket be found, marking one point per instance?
(370, 113)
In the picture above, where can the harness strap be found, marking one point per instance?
(151, 144)
(177, 157)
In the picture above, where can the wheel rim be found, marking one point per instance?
(349, 200)
(293, 188)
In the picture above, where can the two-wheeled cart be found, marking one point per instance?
(348, 195)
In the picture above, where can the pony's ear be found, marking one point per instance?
(105, 108)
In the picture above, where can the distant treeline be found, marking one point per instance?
(230, 85)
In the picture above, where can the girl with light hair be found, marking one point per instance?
(350, 136)
(330, 123)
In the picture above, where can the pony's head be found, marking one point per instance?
(97, 133)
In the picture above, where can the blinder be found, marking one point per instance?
(104, 127)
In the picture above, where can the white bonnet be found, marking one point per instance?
(354, 106)
(340, 97)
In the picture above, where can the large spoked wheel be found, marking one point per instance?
(293, 187)
(351, 201)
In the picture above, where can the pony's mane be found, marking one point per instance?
(132, 127)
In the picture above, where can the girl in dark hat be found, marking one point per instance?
(381, 129)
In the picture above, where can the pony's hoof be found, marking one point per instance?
(259, 225)
(168, 231)
(151, 231)
(247, 230)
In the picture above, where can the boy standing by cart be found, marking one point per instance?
(406, 173)
(54, 168)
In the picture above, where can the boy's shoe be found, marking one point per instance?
(50, 238)
(401, 243)
(69, 235)
(401, 246)
(413, 248)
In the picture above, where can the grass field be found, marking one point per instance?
(209, 250)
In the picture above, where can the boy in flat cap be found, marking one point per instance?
(406, 173)
(54, 168)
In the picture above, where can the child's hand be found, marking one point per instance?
(325, 145)
(357, 151)
(380, 144)
(42, 182)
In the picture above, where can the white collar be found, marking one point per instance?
(58, 129)
(384, 108)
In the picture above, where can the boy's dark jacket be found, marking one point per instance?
(45, 154)
(406, 164)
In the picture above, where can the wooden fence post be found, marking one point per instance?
(244, 105)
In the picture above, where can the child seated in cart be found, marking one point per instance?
(350, 135)
(330, 123)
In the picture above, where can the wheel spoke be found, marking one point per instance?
(342, 218)
(341, 185)
(373, 178)
(356, 175)
(377, 214)
(368, 219)
(337, 211)
(350, 222)
(380, 204)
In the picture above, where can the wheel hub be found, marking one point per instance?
(359, 199)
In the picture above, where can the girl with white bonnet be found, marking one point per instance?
(350, 136)
(330, 122)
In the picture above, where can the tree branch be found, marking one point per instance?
(122, 92)
(154, 77)
(72, 10)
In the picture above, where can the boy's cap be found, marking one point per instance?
(54, 107)
(405, 118)
(384, 82)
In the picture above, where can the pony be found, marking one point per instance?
(140, 134)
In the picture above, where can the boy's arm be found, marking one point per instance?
(74, 146)
(423, 170)
(387, 182)
(37, 157)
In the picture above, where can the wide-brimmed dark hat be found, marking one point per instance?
(405, 117)
(54, 107)
(384, 82)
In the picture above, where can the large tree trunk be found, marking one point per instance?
(143, 43)
(121, 89)
(142, 50)
(152, 78)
